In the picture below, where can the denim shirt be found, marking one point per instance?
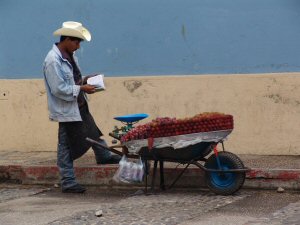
(62, 92)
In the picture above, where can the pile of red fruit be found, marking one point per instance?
(164, 127)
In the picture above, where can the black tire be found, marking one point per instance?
(225, 183)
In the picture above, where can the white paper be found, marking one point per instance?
(97, 81)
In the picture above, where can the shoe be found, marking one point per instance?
(77, 188)
(114, 159)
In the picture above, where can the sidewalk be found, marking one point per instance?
(40, 168)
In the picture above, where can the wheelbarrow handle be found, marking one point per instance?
(105, 147)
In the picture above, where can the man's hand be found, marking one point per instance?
(90, 89)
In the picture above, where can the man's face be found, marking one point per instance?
(72, 45)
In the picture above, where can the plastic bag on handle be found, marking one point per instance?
(129, 172)
(134, 172)
(140, 171)
(118, 176)
(126, 174)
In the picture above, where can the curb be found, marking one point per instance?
(273, 178)
(101, 175)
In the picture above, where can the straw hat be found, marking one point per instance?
(73, 29)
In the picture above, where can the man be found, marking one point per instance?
(67, 104)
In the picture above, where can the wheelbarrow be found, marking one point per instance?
(224, 171)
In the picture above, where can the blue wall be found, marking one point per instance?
(153, 37)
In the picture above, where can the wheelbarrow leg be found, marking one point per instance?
(177, 178)
(162, 178)
(146, 175)
(154, 175)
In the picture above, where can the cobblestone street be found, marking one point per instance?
(165, 208)
(21, 205)
(7, 194)
(289, 215)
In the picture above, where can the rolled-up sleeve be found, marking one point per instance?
(76, 90)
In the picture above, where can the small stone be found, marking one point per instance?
(98, 213)
(280, 190)
(56, 185)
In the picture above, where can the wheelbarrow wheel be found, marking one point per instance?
(223, 183)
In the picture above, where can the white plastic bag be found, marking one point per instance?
(129, 172)
(140, 171)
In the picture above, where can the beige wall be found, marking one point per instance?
(266, 108)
